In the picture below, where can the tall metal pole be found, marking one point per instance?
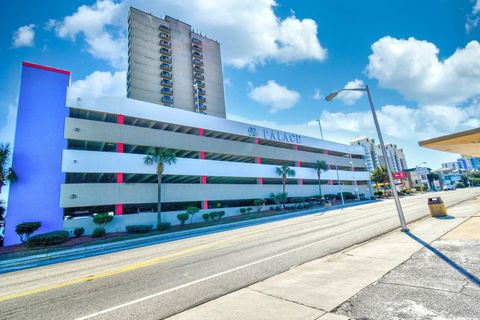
(401, 216)
(340, 186)
(320, 126)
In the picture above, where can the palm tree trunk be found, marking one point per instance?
(159, 204)
(319, 187)
(284, 181)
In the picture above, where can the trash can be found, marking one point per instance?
(437, 207)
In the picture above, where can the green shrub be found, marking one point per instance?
(243, 210)
(101, 219)
(213, 215)
(206, 216)
(48, 239)
(329, 196)
(259, 204)
(191, 212)
(163, 226)
(378, 193)
(98, 232)
(24, 230)
(79, 232)
(139, 228)
(220, 214)
(346, 196)
(460, 185)
(249, 209)
(182, 217)
(271, 208)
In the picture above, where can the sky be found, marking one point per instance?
(420, 59)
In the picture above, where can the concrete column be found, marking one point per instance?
(259, 161)
(203, 179)
(119, 206)
(299, 181)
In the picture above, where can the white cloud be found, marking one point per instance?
(317, 95)
(472, 18)
(7, 132)
(104, 83)
(413, 68)
(103, 26)
(24, 36)
(249, 31)
(406, 123)
(350, 97)
(275, 96)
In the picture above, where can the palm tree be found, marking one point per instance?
(6, 172)
(284, 172)
(159, 157)
(320, 166)
(380, 175)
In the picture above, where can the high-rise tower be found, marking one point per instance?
(171, 65)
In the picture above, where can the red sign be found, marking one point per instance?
(400, 175)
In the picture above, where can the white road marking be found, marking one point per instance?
(194, 282)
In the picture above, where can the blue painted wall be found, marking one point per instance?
(37, 152)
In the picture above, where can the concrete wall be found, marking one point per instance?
(109, 132)
(90, 194)
(37, 153)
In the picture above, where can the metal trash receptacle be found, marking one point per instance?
(437, 207)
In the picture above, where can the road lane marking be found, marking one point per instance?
(133, 266)
(188, 284)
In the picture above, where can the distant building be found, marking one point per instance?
(374, 157)
(417, 178)
(471, 163)
(452, 165)
(171, 65)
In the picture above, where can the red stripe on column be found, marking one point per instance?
(201, 132)
(259, 161)
(120, 147)
(299, 165)
(203, 179)
(202, 155)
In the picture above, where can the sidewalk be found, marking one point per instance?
(395, 276)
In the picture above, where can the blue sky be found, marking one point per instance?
(421, 60)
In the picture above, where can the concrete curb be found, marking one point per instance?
(16, 264)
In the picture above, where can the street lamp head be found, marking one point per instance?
(331, 96)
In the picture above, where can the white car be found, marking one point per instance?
(449, 187)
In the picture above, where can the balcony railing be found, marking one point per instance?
(166, 74)
(164, 35)
(196, 47)
(166, 66)
(165, 58)
(200, 84)
(200, 99)
(167, 99)
(198, 62)
(199, 76)
(165, 51)
(167, 91)
(201, 106)
(197, 55)
(164, 28)
(198, 69)
(165, 43)
(197, 41)
(166, 83)
(200, 91)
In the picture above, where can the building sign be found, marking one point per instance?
(275, 135)
(400, 175)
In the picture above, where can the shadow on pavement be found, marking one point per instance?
(467, 274)
(445, 218)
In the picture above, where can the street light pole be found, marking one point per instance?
(340, 186)
(401, 215)
(320, 126)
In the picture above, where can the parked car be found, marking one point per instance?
(450, 187)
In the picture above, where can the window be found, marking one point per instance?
(167, 91)
(165, 58)
(195, 40)
(166, 82)
(166, 74)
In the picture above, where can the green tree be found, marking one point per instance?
(160, 157)
(380, 175)
(279, 198)
(320, 166)
(6, 172)
(284, 172)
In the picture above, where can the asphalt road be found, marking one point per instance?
(158, 281)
